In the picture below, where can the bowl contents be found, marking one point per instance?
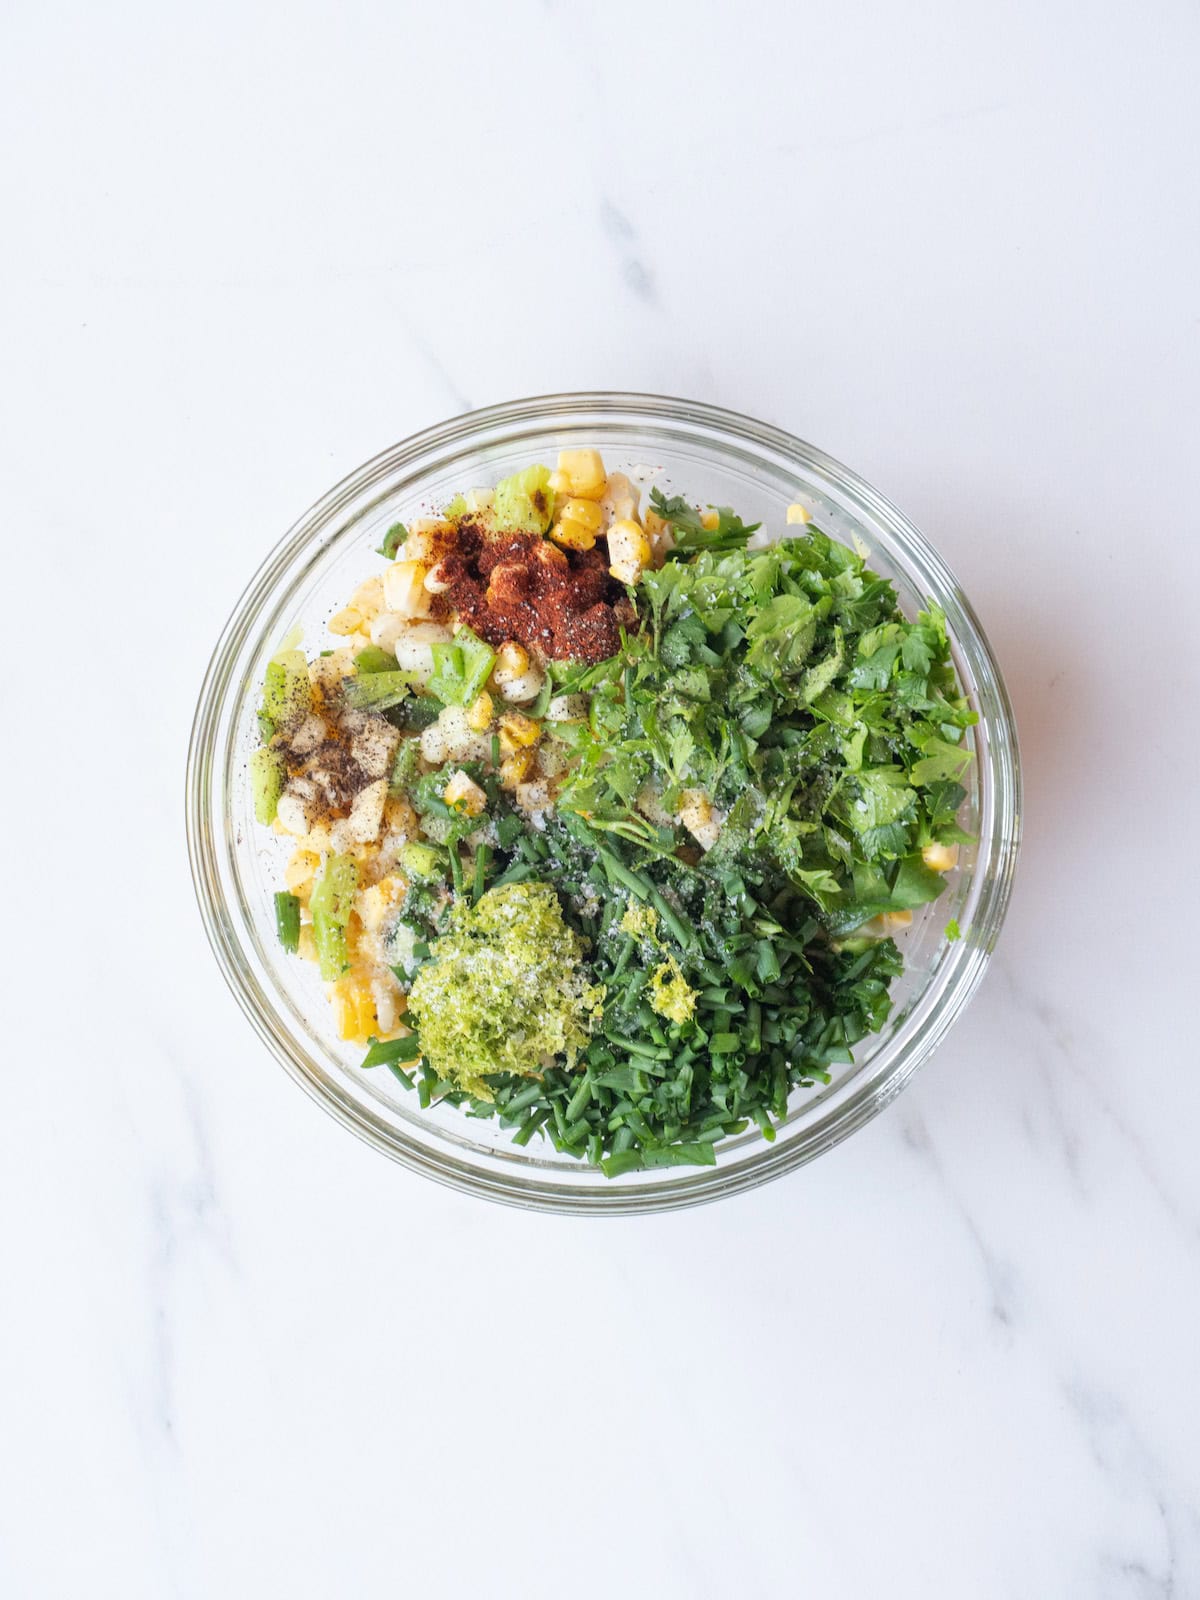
(604, 814)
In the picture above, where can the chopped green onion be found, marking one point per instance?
(287, 920)
(392, 540)
(386, 1052)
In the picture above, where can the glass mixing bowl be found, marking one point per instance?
(712, 456)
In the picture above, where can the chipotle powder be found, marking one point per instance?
(519, 586)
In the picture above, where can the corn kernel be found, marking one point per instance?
(306, 949)
(522, 730)
(404, 589)
(512, 660)
(353, 1006)
(436, 580)
(696, 814)
(797, 514)
(301, 870)
(428, 538)
(584, 473)
(628, 550)
(586, 512)
(578, 523)
(560, 483)
(465, 795)
(479, 717)
(514, 769)
(940, 857)
(572, 536)
(711, 520)
(654, 524)
(345, 622)
(367, 599)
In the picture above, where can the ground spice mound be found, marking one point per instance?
(520, 586)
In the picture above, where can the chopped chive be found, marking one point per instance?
(578, 1101)
(385, 1052)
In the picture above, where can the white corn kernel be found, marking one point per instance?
(567, 708)
(650, 803)
(535, 796)
(436, 580)
(386, 995)
(413, 647)
(456, 731)
(519, 691)
(796, 514)
(619, 502)
(366, 814)
(433, 744)
(303, 740)
(293, 812)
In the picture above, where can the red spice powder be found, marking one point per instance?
(522, 587)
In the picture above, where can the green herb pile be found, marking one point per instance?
(827, 732)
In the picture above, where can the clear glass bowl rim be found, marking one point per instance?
(497, 425)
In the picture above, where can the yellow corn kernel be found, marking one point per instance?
(306, 949)
(367, 599)
(797, 514)
(479, 717)
(512, 660)
(520, 729)
(586, 512)
(579, 521)
(365, 603)
(572, 535)
(628, 550)
(583, 472)
(897, 919)
(345, 622)
(654, 524)
(404, 589)
(710, 519)
(940, 857)
(301, 870)
(354, 1014)
(514, 769)
(463, 794)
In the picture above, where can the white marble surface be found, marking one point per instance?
(245, 247)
